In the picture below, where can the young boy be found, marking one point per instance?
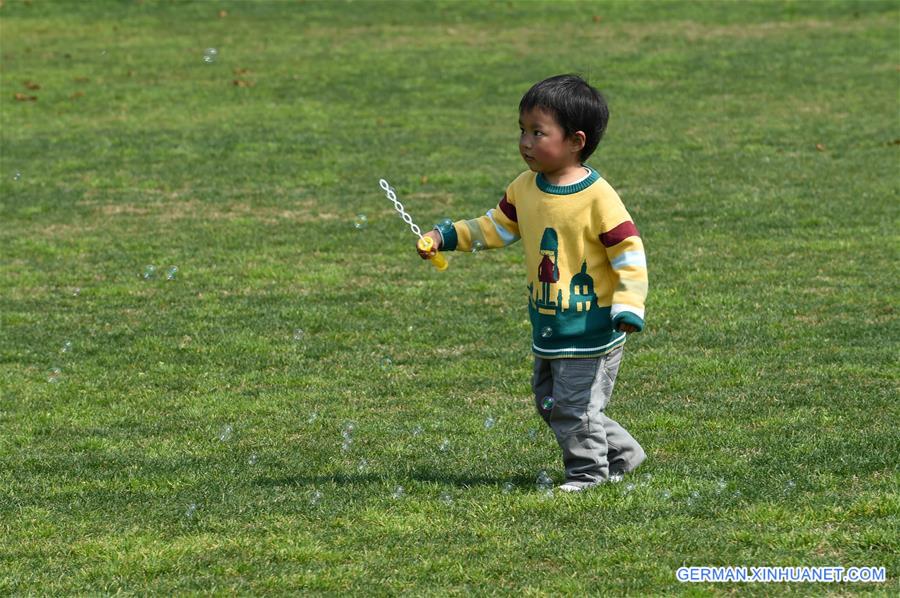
(586, 272)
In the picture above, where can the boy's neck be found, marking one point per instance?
(566, 175)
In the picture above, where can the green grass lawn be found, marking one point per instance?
(755, 143)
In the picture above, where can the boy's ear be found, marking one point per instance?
(578, 140)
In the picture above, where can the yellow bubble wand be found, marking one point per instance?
(425, 244)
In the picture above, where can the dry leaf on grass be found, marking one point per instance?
(25, 97)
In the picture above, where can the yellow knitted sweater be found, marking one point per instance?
(585, 262)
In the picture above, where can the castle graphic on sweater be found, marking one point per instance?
(585, 262)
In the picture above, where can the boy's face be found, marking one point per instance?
(544, 145)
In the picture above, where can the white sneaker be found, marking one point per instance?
(575, 486)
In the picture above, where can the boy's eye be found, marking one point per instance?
(539, 133)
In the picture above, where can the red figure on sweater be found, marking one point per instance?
(547, 271)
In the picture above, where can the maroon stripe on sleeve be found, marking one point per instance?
(619, 234)
(508, 209)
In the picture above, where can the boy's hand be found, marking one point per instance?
(436, 237)
(624, 327)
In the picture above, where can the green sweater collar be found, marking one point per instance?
(581, 185)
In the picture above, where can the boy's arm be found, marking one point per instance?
(625, 251)
(499, 227)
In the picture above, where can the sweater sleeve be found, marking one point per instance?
(499, 227)
(625, 251)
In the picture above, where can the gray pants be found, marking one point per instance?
(593, 445)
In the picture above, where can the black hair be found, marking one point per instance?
(575, 105)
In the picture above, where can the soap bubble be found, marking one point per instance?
(171, 273)
(543, 480)
(17, 176)
(347, 432)
(251, 460)
(362, 466)
(417, 430)
(312, 417)
(386, 362)
(720, 486)
(315, 498)
(67, 346)
(647, 477)
(399, 492)
(149, 272)
(360, 221)
(446, 498)
(546, 332)
(445, 446)
(299, 334)
(737, 495)
(790, 486)
(210, 55)
(615, 478)
(694, 497)
(190, 511)
(508, 487)
(477, 246)
(547, 403)
(54, 375)
(76, 291)
(225, 433)
(665, 495)
(532, 434)
(489, 423)
(445, 223)
(628, 488)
